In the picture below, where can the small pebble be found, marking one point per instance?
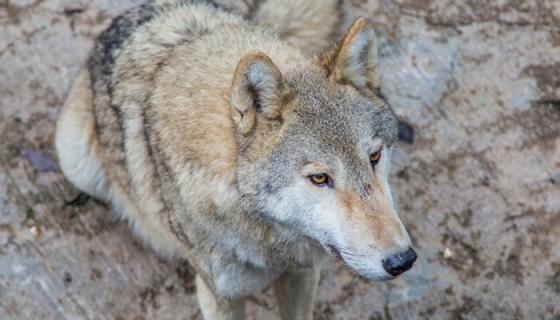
(35, 231)
(447, 253)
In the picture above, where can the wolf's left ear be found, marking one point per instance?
(353, 58)
(258, 90)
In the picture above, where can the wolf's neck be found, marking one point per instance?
(266, 243)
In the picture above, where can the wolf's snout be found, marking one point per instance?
(400, 262)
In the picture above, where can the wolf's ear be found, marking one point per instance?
(258, 89)
(353, 58)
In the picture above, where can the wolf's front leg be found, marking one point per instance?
(218, 309)
(295, 293)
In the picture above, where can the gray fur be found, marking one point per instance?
(328, 126)
(202, 122)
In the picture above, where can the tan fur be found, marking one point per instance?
(377, 216)
(75, 135)
(308, 25)
(79, 153)
(296, 292)
(162, 138)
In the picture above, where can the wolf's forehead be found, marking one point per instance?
(340, 135)
(339, 115)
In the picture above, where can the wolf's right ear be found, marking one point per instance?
(258, 89)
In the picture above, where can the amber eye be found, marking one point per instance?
(319, 180)
(374, 157)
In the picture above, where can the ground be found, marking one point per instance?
(478, 185)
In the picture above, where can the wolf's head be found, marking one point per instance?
(315, 147)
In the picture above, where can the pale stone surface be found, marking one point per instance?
(478, 81)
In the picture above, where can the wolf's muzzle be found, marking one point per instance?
(400, 262)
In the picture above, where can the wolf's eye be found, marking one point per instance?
(374, 158)
(320, 180)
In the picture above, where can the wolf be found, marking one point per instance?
(223, 140)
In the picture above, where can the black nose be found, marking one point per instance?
(400, 262)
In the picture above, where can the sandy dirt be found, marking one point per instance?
(479, 187)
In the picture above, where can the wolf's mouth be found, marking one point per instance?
(333, 251)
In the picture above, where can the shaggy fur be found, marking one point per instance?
(202, 128)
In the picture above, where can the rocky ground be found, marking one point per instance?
(479, 187)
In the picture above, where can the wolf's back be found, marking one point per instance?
(104, 129)
(307, 25)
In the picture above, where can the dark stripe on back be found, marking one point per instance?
(111, 40)
(101, 65)
(165, 178)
